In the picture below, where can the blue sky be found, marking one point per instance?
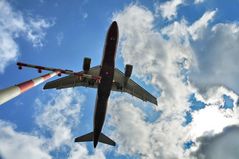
(183, 51)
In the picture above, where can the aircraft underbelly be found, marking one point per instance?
(103, 92)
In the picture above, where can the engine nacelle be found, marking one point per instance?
(20, 67)
(39, 71)
(128, 70)
(86, 64)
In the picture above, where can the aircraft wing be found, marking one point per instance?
(131, 87)
(118, 85)
(74, 80)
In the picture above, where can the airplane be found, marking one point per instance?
(105, 78)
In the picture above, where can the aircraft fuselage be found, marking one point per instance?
(105, 85)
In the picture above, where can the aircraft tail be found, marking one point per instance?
(90, 137)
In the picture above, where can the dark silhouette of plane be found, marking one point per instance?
(105, 78)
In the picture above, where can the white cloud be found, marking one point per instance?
(8, 50)
(214, 58)
(214, 96)
(198, 1)
(14, 24)
(196, 30)
(160, 61)
(58, 116)
(127, 130)
(217, 54)
(211, 120)
(79, 151)
(160, 57)
(168, 9)
(135, 136)
(20, 144)
(211, 56)
(181, 31)
(59, 38)
(153, 56)
(35, 30)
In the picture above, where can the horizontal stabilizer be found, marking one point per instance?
(87, 137)
(106, 140)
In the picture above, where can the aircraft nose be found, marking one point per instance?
(114, 25)
(113, 31)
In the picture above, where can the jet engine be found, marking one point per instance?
(20, 67)
(39, 71)
(127, 73)
(86, 64)
(128, 70)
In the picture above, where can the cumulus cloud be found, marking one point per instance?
(57, 116)
(79, 151)
(214, 59)
(163, 58)
(161, 66)
(214, 96)
(168, 9)
(217, 54)
(135, 136)
(139, 39)
(14, 24)
(127, 131)
(182, 32)
(60, 116)
(196, 30)
(20, 144)
(211, 120)
(223, 145)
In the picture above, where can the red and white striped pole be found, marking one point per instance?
(13, 91)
